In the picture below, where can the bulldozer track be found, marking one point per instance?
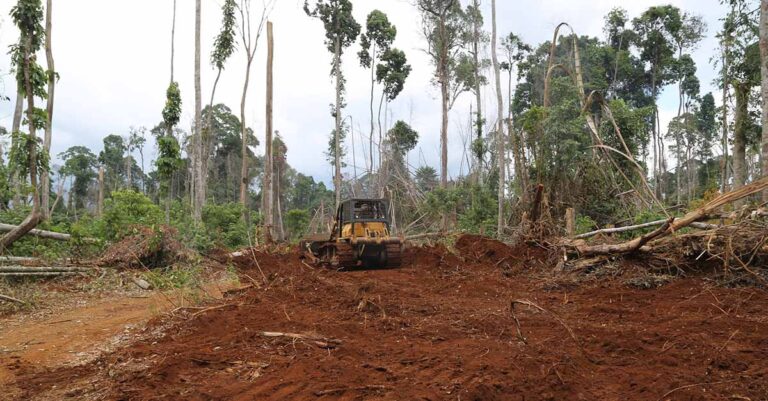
(394, 255)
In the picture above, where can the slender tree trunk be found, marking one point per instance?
(337, 133)
(740, 135)
(244, 133)
(34, 217)
(128, 165)
(100, 200)
(476, 54)
(268, 155)
(197, 167)
(18, 110)
(373, 84)
(442, 73)
(44, 176)
(764, 87)
(724, 161)
(518, 152)
(678, 151)
(654, 134)
(500, 141)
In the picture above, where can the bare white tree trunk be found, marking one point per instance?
(198, 197)
(500, 141)
(267, 183)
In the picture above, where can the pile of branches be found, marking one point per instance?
(740, 245)
(147, 248)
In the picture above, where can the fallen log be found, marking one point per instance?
(39, 269)
(36, 274)
(43, 233)
(613, 230)
(11, 299)
(672, 225)
(17, 259)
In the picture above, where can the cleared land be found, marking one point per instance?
(442, 327)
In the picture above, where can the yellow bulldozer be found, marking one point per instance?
(360, 238)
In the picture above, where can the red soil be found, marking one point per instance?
(439, 328)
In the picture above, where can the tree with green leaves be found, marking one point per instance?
(475, 39)
(341, 30)
(655, 30)
(442, 24)
(27, 15)
(376, 40)
(223, 47)
(112, 157)
(80, 164)
(740, 27)
(515, 51)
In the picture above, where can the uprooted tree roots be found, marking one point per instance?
(147, 248)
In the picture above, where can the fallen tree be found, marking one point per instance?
(38, 233)
(614, 230)
(670, 226)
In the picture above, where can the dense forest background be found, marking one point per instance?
(577, 116)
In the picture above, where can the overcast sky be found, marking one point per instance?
(114, 61)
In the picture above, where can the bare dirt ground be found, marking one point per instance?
(442, 327)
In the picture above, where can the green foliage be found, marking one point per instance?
(402, 137)
(297, 223)
(80, 163)
(392, 72)
(224, 44)
(378, 37)
(336, 16)
(474, 206)
(172, 110)
(127, 209)
(18, 157)
(224, 225)
(185, 277)
(330, 154)
(28, 17)
(168, 160)
(585, 224)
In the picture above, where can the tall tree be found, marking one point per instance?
(168, 148)
(223, 48)
(27, 15)
(52, 76)
(655, 28)
(516, 51)
(341, 30)
(442, 23)
(764, 86)
(475, 39)
(266, 192)
(376, 40)
(79, 163)
(500, 140)
(741, 27)
(199, 176)
(250, 43)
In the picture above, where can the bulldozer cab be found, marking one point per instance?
(366, 218)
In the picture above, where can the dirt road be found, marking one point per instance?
(440, 328)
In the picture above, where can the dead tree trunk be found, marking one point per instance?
(198, 195)
(267, 184)
(100, 201)
(500, 141)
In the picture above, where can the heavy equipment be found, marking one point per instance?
(360, 238)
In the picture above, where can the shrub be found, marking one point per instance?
(297, 223)
(127, 209)
(224, 225)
